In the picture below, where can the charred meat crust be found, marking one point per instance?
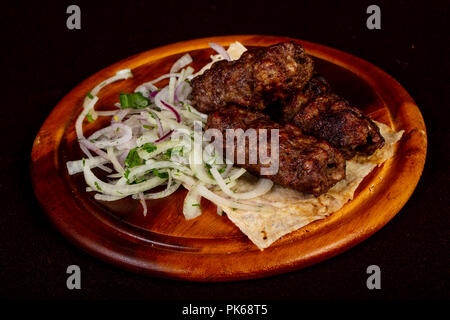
(319, 112)
(305, 163)
(258, 78)
(283, 74)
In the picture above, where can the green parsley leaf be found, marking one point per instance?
(133, 159)
(178, 150)
(89, 117)
(126, 173)
(97, 186)
(162, 175)
(147, 126)
(89, 95)
(149, 147)
(196, 205)
(133, 100)
(208, 168)
(139, 180)
(168, 154)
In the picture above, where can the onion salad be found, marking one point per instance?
(150, 143)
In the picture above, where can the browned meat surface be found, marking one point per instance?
(282, 75)
(305, 163)
(317, 111)
(259, 77)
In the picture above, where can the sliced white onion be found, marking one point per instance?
(148, 166)
(181, 63)
(120, 75)
(220, 50)
(171, 92)
(186, 180)
(106, 113)
(167, 192)
(126, 135)
(144, 204)
(116, 189)
(87, 106)
(145, 89)
(115, 162)
(119, 115)
(160, 148)
(74, 167)
(191, 205)
(198, 168)
(105, 197)
(262, 186)
(233, 204)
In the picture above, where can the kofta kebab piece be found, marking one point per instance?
(319, 112)
(283, 73)
(305, 163)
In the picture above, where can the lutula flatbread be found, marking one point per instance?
(293, 210)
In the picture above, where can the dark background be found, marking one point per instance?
(43, 60)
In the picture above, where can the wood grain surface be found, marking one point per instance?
(211, 248)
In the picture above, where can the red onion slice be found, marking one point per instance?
(177, 115)
(164, 137)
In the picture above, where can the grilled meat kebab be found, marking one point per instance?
(259, 77)
(305, 163)
(319, 112)
(284, 73)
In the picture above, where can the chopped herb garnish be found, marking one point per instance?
(139, 180)
(187, 81)
(147, 126)
(234, 209)
(162, 175)
(133, 100)
(168, 154)
(208, 168)
(196, 205)
(126, 173)
(89, 118)
(89, 95)
(84, 161)
(97, 186)
(221, 170)
(149, 147)
(133, 159)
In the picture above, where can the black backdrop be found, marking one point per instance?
(43, 60)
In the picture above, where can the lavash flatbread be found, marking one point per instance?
(294, 210)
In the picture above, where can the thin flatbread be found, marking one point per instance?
(294, 210)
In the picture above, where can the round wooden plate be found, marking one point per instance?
(210, 247)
